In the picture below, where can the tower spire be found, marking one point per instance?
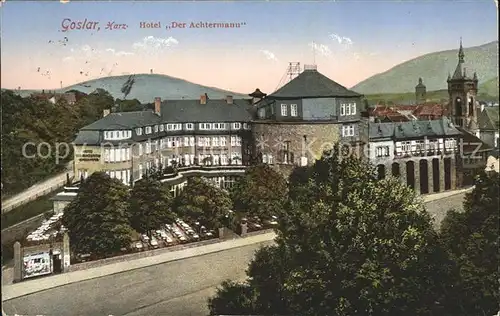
(461, 54)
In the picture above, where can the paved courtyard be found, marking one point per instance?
(175, 288)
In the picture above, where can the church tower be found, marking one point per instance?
(462, 92)
(420, 92)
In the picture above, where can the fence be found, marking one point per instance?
(37, 191)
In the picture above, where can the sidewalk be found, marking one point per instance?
(442, 195)
(29, 287)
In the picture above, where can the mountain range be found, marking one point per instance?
(434, 68)
(146, 87)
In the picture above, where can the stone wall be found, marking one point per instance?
(138, 255)
(18, 231)
(305, 140)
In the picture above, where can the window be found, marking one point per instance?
(189, 126)
(236, 125)
(118, 154)
(162, 128)
(222, 141)
(270, 159)
(382, 151)
(106, 155)
(205, 126)
(138, 131)
(235, 141)
(420, 145)
(174, 127)
(342, 109)
(148, 148)
(348, 109)
(191, 140)
(215, 141)
(246, 126)
(206, 141)
(219, 126)
(186, 141)
(406, 147)
(264, 158)
(223, 159)
(235, 158)
(293, 109)
(156, 128)
(352, 107)
(347, 130)
(200, 141)
(148, 129)
(284, 110)
(112, 155)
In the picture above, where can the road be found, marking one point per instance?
(175, 288)
(36, 190)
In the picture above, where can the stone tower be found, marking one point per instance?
(420, 92)
(462, 92)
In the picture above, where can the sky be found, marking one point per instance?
(349, 41)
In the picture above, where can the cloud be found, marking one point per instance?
(152, 44)
(322, 49)
(269, 55)
(120, 53)
(342, 40)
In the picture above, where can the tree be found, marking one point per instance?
(260, 192)
(202, 201)
(150, 205)
(349, 244)
(471, 238)
(128, 105)
(97, 219)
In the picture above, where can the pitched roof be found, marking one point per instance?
(312, 84)
(124, 120)
(412, 129)
(471, 143)
(178, 111)
(240, 110)
(488, 118)
(87, 138)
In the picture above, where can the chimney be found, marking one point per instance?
(229, 99)
(105, 112)
(158, 105)
(203, 99)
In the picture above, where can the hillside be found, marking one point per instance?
(147, 87)
(489, 87)
(434, 69)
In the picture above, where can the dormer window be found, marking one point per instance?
(246, 126)
(343, 109)
(138, 131)
(236, 126)
(162, 128)
(293, 110)
(156, 128)
(148, 129)
(189, 126)
(117, 135)
(205, 126)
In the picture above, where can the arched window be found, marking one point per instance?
(471, 106)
